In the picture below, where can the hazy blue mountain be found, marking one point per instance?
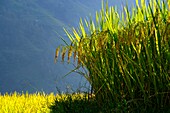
(28, 40)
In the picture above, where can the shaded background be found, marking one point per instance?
(28, 40)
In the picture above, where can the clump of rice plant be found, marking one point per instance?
(127, 56)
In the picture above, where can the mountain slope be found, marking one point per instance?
(28, 40)
(28, 43)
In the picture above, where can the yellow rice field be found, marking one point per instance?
(26, 103)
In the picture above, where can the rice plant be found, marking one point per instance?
(127, 56)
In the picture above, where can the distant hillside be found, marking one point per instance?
(28, 40)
